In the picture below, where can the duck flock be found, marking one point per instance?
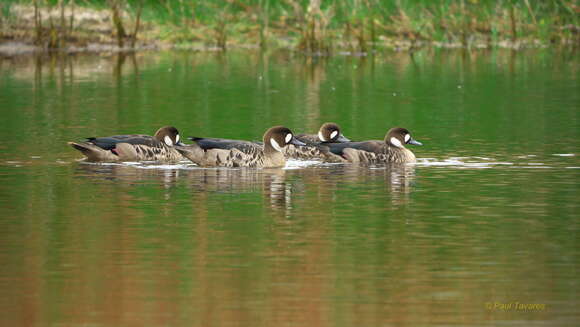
(278, 144)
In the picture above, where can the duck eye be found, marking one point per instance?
(288, 138)
(407, 137)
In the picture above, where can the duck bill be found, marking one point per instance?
(297, 142)
(414, 142)
(342, 139)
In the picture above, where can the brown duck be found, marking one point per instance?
(159, 147)
(391, 150)
(328, 133)
(215, 152)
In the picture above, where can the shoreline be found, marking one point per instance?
(22, 48)
(81, 29)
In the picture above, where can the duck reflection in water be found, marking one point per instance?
(276, 191)
(280, 188)
(128, 175)
(271, 183)
(394, 181)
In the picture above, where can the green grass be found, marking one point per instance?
(352, 24)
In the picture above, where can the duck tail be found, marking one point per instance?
(351, 155)
(193, 152)
(328, 155)
(93, 152)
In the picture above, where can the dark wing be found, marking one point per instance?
(369, 146)
(110, 142)
(207, 143)
(308, 138)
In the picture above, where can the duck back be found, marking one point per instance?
(369, 146)
(207, 143)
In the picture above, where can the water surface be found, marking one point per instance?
(485, 221)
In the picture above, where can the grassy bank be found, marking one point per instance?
(313, 26)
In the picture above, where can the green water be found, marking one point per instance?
(487, 218)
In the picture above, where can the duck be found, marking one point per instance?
(135, 147)
(328, 133)
(216, 152)
(391, 150)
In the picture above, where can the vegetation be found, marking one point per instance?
(313, 26)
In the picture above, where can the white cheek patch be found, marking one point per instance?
(321, 137)
(288, 138)
(333, 134)
(395, 141)
(275, 145)
(177, 138)
(168, 141)
(407, 137)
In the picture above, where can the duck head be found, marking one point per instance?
(168, 135)
(399, 136)
(277, 137)
(330, 132)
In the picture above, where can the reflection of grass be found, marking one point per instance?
(355, 25)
